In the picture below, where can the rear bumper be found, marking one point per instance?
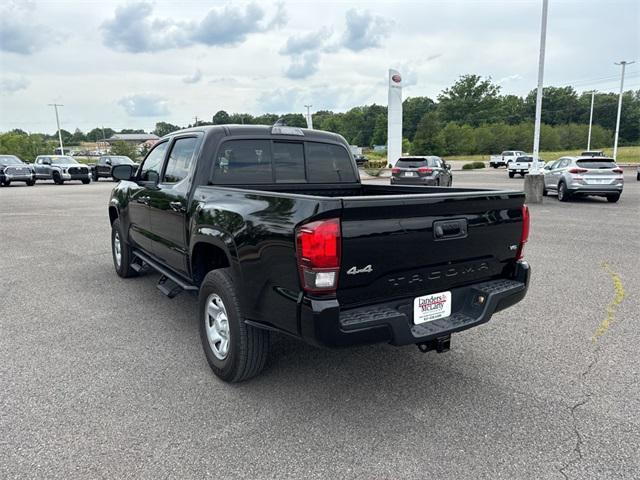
(577, 189)
(323, 323)
(413, 181)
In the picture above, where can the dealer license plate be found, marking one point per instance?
(431, 307)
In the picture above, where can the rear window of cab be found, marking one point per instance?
(257, 162)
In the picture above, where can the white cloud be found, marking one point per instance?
(144, 105)
(133, 28)
(11, 84)
(364, 30)
(194, 78)
(19, 33)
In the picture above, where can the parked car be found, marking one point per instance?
(104, 165)
(574, 176)
(273, 228)
(505, 158)
(12, 169)
(520, 166)
(592, 153)
(360, 159)
(429, 170)
(60, 168)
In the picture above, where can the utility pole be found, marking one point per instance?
(593, 93)
(534, 181)
(615, 142)
(55, 106)
(309, 119)
(196, 120)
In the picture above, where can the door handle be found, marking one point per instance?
(144, 200)
(450, 229)
(177, 207)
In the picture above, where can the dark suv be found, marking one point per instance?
(12, 169)
(422, 171)
(102, 169)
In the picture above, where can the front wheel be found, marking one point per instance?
(31, 183)
(121, 251)
(613, 198)
(86, 181)
(57, 179)
(511, 174)
(95, 176)
(235, 351)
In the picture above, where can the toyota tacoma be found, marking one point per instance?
(272, 229)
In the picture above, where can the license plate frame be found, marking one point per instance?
(428, 308)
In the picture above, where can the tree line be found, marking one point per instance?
(471, 116)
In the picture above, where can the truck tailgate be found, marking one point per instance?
(411, 245)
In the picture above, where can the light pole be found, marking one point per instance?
(593, 93)
(55, 106)
(534, 181)
(615, 142)
(309, 119)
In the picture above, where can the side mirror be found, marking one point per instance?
(123, 172)
(46, 162)
(108, 162)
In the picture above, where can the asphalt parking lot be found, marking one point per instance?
(102, 377)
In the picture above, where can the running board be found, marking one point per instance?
(169, 284)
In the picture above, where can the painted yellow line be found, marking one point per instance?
(613, 305)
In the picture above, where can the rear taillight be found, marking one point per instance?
(395, 170)
(524, 236)
(424, 170)
(618, 170)
(578, 170)
(318, 251)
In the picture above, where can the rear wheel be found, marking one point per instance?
(511, 174)
(31, 183)
(235, 351)
(86, 180)
(95, 176)
(563, 193)
(613, 198)
(545, 192)
(6, 183)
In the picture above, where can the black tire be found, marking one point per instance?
(545, 192)
(248, 346)
(6, 183)
(613, 198)
(123, 268)
(57, 179)
(94, 174)
(522, 175)
(563, 192)
(638, 176)
(86, 181)
(495, 166)
(437, 182)
(31, 183)
(511, 174)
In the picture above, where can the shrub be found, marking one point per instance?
(468, 166)
(478, 164)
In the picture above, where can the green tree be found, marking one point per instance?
(77, 137)
(163, 128)
(428, 140)
(413, 109)
(471, 100)
(220, 118)
(99, 133)
(132, 130)
(379, 136)
(559, 105)
(123, 148)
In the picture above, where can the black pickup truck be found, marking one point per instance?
(274, 231)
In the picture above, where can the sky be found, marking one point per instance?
(130, 64)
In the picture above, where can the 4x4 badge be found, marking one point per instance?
(354, 271)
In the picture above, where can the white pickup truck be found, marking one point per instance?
(520, 165)
(505, 158)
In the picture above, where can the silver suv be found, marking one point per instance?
(570, 176)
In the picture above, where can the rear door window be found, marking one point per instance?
(245, 162)
(327, 163)
(411, 162)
